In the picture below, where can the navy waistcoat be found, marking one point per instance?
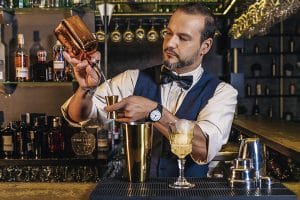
(148, 85)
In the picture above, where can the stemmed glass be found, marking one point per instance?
(180, 135)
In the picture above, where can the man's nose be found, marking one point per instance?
(172, 41)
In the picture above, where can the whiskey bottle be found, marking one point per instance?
(21, 61)
(2, 57)
(8, 142)
(58, 62)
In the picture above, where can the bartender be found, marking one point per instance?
(179, 88)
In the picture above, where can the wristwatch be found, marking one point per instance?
(156, 113)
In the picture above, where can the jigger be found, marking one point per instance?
(110, 100)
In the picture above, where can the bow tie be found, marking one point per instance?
(167, 76)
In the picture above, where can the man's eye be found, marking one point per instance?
(183, 38)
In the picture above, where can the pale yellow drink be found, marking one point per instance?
(181, 144)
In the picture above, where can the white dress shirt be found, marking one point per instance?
(214, 119)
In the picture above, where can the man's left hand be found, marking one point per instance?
(134, 108)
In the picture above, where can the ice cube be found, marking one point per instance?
(184, 126)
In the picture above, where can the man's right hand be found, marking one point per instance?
(86, 75)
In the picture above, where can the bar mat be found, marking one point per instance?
(207, 189)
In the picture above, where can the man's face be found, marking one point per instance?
(181, 47)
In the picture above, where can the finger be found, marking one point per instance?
(117, 106)
(123, 120)
(96, 56)
(69, 59)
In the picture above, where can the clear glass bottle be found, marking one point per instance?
(58, 62)
(21, 61)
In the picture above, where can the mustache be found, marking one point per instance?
(170, 51)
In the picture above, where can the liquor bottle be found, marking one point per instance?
(269, 48)
(18, 141)
(56, 142)
(40, 69)
(37, 132)
(8, 142)
(256, 109)
(102, 140)
(291, 45)
(21, 61)
(28, 137)
(248, 90)
(258, 89)
(273, 68)
(2, 57)
(292, 88)
(44, 128)
(33, 50)
(256, 49)
(270, 111)
(58, 62)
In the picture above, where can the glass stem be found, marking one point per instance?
(181, 162)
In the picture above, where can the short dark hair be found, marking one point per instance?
(198, 8)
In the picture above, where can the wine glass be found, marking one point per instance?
(180, 135)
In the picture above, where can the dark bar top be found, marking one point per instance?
(281, 136)
(157, 188)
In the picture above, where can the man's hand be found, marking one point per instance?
(134, 108)
(85, 74)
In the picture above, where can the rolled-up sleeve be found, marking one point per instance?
(215, 119)
(121, 85)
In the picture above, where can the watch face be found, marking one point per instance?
(155, 115)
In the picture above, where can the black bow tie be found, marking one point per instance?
(168, 76)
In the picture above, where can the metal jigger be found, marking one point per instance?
(110, 100)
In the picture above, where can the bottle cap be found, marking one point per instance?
(20, 38)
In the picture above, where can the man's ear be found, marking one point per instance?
(205, 46)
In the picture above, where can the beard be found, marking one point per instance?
(181, 62)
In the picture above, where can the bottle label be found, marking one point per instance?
(58, 65)
(7, 143)
(1, 75)
(102, 142)
(22, 72)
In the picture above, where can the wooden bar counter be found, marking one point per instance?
(281, 136)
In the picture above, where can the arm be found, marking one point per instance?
(88, 79)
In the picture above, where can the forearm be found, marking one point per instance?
(80, 105)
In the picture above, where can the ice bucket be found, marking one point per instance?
(137, 146)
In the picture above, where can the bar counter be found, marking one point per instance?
(279, 135)
(65, 191)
